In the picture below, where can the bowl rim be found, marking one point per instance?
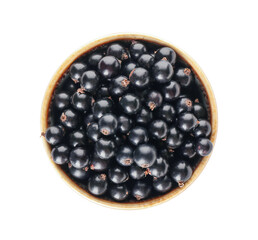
(129, 36)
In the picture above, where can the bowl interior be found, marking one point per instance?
(204, 86)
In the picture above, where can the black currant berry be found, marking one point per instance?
(145, 155)
(158, 129)
(154, 100)
(94, 59)
(171, 91)
(70, 118)
(108, 124)
(77, 138)
(187, 149)
(130, 103)
(146, 61)
(54, 135)
(203, 129)
(76, 70)
(108, 66)
(62, 100)
(175, 138)
(167, 112)
(60, 154)
(93, 131)
(167, 53)
(183, 76)
(117, 175)
(138, 135)
(97, 184)
(184, 105)
(102, 107)
(99, 165)
(199, 111)
(124, 155)
(137, 172)
(128, 68)
(80, 100)
(181, 171)
(103, 92)
(141, 190)
(204, 146)
(79, 157)
(119, 85)
(162, 71)
(105, 148)
(187, 122)
(144, 116)
(159, 168)
(88, 119)
(89, 81)
(117, 51)
(137, 49)
(119, 192)
(80, 174)
(139, 77)
(162, 184)
(124, 124)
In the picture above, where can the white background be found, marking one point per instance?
(37, 36)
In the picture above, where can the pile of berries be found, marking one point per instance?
(129, 121)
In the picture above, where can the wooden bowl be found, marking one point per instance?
(207, 92)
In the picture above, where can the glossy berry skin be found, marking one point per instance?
(80, 174)
(62, 100)
(199, 111)
(130, 103)
(138, 135)
(97, 184)
(171, 91)
(117, 175)
(89, 81)
(70, 118)
(60, 154)
(154, 100)
(141, 190)
(108, 66)
(119, 139)
(108, 124)
(81, 101)
(166, 52)
(167, 112)
(76, 70)
(54, 135)
(184, 105)
(139, 77)
(187, 149)
(77, 138)
(94, 59)
(105, 148)
(103, 92)
(183, 76)
(203, 129)
(99, 165)
(93, 132)
(119, 85)
(119, 192)
(162, 71)
(101, 107)
(163, 184)
(158, 129)
(146, 61)
(144, 116)
(159, 168)
(145, 155)
(88, 119)
(165, 153)
(175, 138)
(124, 155)
(128, 67)
(79, 157)
(124, 124)
(117, 51)
(137, 172)
(204, 146)
(137, 49)
(187, 122)
(180, 172)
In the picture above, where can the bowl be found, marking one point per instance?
(205, 87)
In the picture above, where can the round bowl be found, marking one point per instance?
(206, 88)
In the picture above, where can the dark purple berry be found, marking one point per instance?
(203, 129)
(117, 175)
(175, 138)
(117, 51)
(79, 157)
(105, 148)
(187, 122)
(141, 190)
(119, 85)
(137, 49)
(108, 66)
(93, 131)
(119, 192)
(167, 112)
(89, 81)
(159, 168)
(60, 154)
(145, 155)
(70, 118)
(108, 124)
(97, 184)
(62, 100)
(139, 77)
(124, 124)
(162, 71)
(163, 184)
(146, 61)
(167, 53)
(138, 135)
(124, 155)
(180, 172)
(154, 100)
(81, 101)
(158, 129)
(77, 138)
(130, 103)
(204, 146)
(101, 107)
(76, 70)
(54, 135)
(171, 91)
(183, 76)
